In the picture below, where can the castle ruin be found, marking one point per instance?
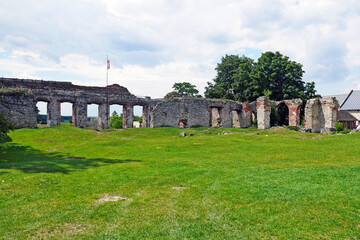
(20, 107)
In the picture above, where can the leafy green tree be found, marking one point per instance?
(5, 128)
(116, 121)
(242, 79)
(233, 76)
(137, 118)
(186, 88)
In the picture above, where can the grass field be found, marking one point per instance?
(273, 184)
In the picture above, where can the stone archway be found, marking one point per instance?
(294, 107)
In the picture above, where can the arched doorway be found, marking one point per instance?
(283, 113)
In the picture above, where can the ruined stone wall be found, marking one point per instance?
(191, 112)
(321, 114)
(19, 108)
(263, 108)
(54, 93)
(293, 106)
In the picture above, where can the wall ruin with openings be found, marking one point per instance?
(192, 112)
(182, 112)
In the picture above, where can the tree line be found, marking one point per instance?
(243, 79)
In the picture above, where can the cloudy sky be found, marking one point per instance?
(153, 44)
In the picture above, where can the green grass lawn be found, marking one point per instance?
(273, 184)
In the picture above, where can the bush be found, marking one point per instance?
(345, 131)
(116, 121)
(5, 128)
(339, 126)
(294, 128)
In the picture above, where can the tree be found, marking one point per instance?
(242, 79)
(233, 76)
(186, 88)
(116, 121)
(5, 128)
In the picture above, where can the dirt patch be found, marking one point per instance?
(74, 158)
(47, 141)
(65, 229)
(56, 149)
(278, 130)
(179, 187)
(110, 198)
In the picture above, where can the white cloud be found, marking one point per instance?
(153, 44)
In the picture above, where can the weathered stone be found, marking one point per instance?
(246, 115)
(181, 112)
(325, 131)
(80, 110)
(321, 114)
(263, 108)
(19, 108)
(53, 113)
(103, 116)
(192, 112)
(128, 115)
(294, 110)
(55, 93)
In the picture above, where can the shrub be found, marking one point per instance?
(294, 128)
(339, 126)
(116, 121)
(5, 128)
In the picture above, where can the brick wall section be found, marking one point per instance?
(294, 110)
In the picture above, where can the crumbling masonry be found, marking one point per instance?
(19, 106)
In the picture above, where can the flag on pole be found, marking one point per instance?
(108, 64)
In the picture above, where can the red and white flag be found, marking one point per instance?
(108, 64)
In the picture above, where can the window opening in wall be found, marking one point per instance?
(215, 117)
(183, 123)
(138, 116)
(236, 117)
(283, 112)
(42, 114)
(92, 115)
(116, 116)
(66, 112)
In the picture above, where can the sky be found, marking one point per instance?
(154, 44)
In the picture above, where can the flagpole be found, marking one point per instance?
(107, 70)
(107, 92)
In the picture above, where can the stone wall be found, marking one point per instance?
(293, 106)
(321, 114)
(191, 112)
(263, 108)
(55, 93)
(19, 107)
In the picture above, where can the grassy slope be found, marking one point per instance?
(274, 184)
